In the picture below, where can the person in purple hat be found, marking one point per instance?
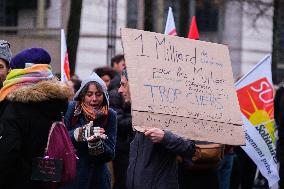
(31, 100)
(31, 55)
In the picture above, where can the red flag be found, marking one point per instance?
(193, 30)
(66, 66)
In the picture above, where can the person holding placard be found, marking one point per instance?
(152, 158)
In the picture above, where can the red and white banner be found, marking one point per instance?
(255, 94)
(170, 25)
(65, 69)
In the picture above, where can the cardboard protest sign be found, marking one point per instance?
(185, 86)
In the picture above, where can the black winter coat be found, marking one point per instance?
(26, 117)
(279, 121)
(124, 133)
(124, 120)
(154, 166)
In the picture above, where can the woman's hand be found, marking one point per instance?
(89, 133)
(155, 134)
(98, 133)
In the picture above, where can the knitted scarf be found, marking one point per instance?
(90, 113)
(18, 78)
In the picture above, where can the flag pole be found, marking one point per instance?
(62, 55)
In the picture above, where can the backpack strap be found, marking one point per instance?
(50, 132)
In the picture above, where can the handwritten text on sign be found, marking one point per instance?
(180, 77)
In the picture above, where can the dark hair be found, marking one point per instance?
(124, 73)
(76, 84)
(6, 63)
(58, 76)
(85, 90)
(278, 108)
(116, 59)
(101, 71)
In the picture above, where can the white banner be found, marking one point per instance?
(255, 94)
(170, 25)
(65, 69)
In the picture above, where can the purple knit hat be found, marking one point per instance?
(31, 55)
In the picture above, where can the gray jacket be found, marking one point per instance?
(154, 166)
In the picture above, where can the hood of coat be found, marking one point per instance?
(41, 91)
(93, 78)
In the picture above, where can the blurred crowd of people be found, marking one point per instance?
(97, 114)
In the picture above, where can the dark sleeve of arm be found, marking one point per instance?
(178, 145)
(124, 122)
(124, 119)
(115, 99)
(10, 146)
(67, 120)
(109, 143)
